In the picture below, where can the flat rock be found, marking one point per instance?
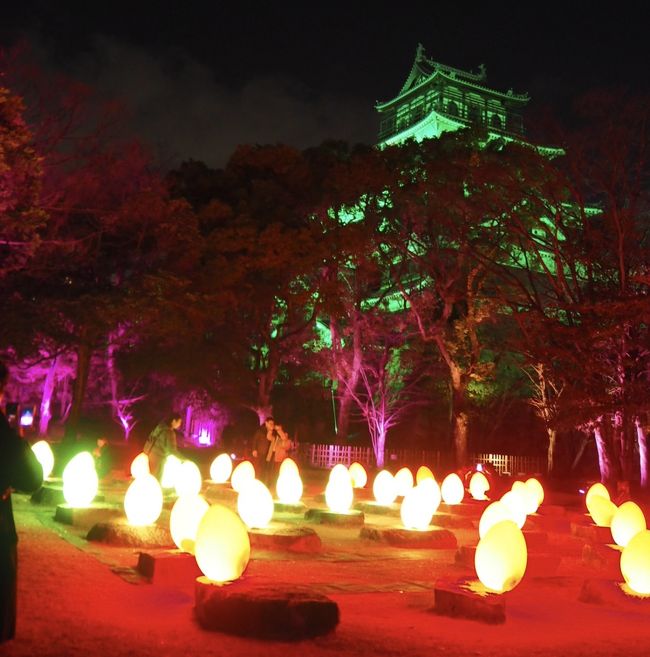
(470, 600)
(352, 518)
(471, 508)
(87, 516)
(379, 509)
(434, 538)
(48, 494)
(291, 539)
(465, 555)
(613, 594)
(283, 507)
(168, 567)
(592, 533)
(119, 532)
(606, 559)
(453, 521)
(263, 611)
(220, 492)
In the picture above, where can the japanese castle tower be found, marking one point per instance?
(436, 98)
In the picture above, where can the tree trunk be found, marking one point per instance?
(604, 459)
(46, 399)
(550, 454)
(643, 452)
(84, 354)
(350, 383)
(380, 447)
(461, 418)
(343, 416)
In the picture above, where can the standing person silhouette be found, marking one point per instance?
(162, 442)
(19, 469)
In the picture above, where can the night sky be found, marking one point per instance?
(201, 77)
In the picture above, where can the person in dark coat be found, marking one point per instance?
(19, 470)
(161, 443)
(263, 440)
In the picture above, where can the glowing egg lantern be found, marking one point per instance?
(170, 471)
(423, 473)
(493, 514)
(527, 496)
(536, 490)
(288, 464)
(184, 520)
(602, 511)
(358, 475)
(517, 507)
(289, 486)
(627, 522)
(478, 486)
(222, 547)
(384, 488)
(45, 456)
(403, 481)
(143, 501)
(339, 493)
(452, 489)
(80, 480)
(140, 465)
(339, 470)
(188, 479)
(635, 563)
(596, 490)
(501, 557)
(418, 507)
(255, 504)
(244, 472)
(221, 469)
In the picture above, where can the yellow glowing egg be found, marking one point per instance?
(288, 464)
(627, 522)
(245, 471)
(478, 486)
(140, 465)
(170, 471)
(358, 475)
(255, 504)
(403, 481)
(80, 482)
(188, 479)
(493, 514)
(222, 545)
(432, 490)
(184, 520)
(501, 557)
(423, 473)
(537, 490)
(527, 496)
(45, 456)
(384, 488)
(289, 486)
(339, 494)
(143, 500)
(418, 507)
(221, 469)
(602, 511)
(339, 471)
(596, 490)
(635, 563)
(452, 489)
(517, 507)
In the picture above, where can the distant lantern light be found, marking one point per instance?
(255, 504)
(403, 481)
(222, 546)
(359, 475)
(221, 469)
(501, 557)
(170, 471)
(635, 563)
(384, 488)
(493, 514)
(184, 520)
(478, 486)
(423, 472)
(517, 507)
(627, 522)
(339, 494)
(452, 489)
(602, 511)
(418, 506)
(45, 456)
(143, 501)
(339, 470)
(288, 464)
(27, 418)
(596, 490)
(527, 496)
(537, 491)
(140, 465)
(80, 482)
(188, 479)
(289, 486)
(245, 471)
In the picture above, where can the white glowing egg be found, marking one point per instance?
(384, 488)
(140, 466)
(596, 490)
(432, 490)
(627, 522)
(44, 456)
(403, 481)
(501, 557)
(221, 469)
(188, 479)
(143, 500)
(80, 481)
(288, 464)
(602, 511)
(537, 490)
(517, 507)
(478, 486)
(170, 471)
(452, 489)
(289, 486)
(339, 471)
(245, 471)
(423, 472)
(184, 520)
(358, 475)
(255, 504)
(527, 496)
(493, 514)
(418, 507)
(339, 494)
(635, 563)
(222, 547)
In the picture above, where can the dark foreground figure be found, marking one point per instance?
(19, 470)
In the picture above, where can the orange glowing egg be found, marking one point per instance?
(627, 522)
(452, 489)
(403, 481)
(143, 501)
(493, 514)
(423, 473)
(384, 488)
(221, 469)
(501, 557)
(517, 507)
(527, 496)
(596, 490)
(244, 472)
(635, 563)
(184, 520)
(602, 510)
(359, 475)
(478, 486)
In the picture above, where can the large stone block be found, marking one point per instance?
(470, 600)
(613, 594)
(291, 539)
(379, 509)
(261, 611)
(119, 532)
(470, 507)
(434, 538)
(87, 516)
(352, 518)
(298, 508)
(168, 567)
(606, 559)
(454, 521)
